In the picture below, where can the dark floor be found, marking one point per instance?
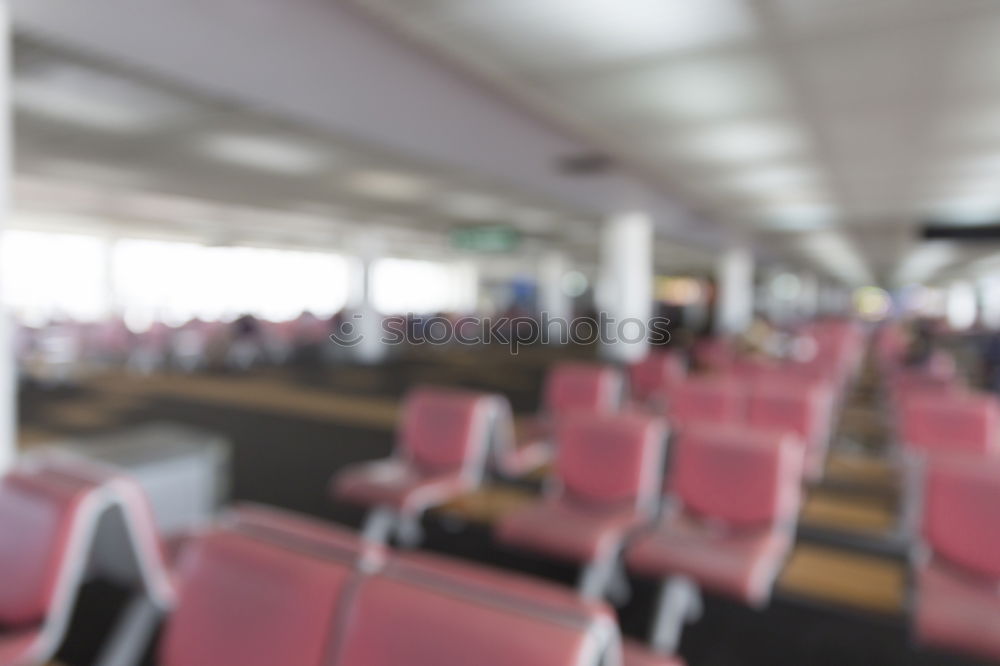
(287, 461)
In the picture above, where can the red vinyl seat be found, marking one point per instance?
(250, 602)
(707, 399)
(955, 423)
(418, 615)
(569, 388)
(958, 584)
(651, 379)
(441, 454)
(734, 500)
(805, 409)
(51, 526)
(606, 483)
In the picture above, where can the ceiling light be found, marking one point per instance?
(265, 153)
(471, 206)
(387, 185)
(93, 99)
(566, 31)
(925, 261)
(968, 210)
(833, 252)
(770, 179)
(739, 143)
(693, 90)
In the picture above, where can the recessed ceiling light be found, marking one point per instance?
(701, 89)
(93, 99)
(472, 206)
(769, 180)
(798, 217)
(388, 185)
(738, 143)
(968, 210)
(837, 255)
(924, 261)
(565, 31)
(266, 153)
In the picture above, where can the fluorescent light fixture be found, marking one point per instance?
(471, 206)
(700, 89)
(739, 143)
(770, 180)
(968, 210)
(834, 253)
(925, 261)
(388, 185)
(533, 219)
(96, 100)
(799, 217)
(266, 153)
(566, 31)
(92, 173)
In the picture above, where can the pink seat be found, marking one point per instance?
(958, 588)
(249, 602)
(652, 378)
(707, 399)
(569, 388)
(407, 617)
(50, 515)
(950, 423)
(441, 453)
(804, 409)
(736, 495)
(606, 481)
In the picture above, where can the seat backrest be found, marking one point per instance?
(585, 387)
(38, 514)
(952, 422)
(656, 374)
(708, 399)
(250, 602)
(610, 458)
(737, 476)
(443, 429)
(401, 618)
(961, 522)
(791, 404)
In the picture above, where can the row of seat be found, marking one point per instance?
(264, 587)
(947, 437)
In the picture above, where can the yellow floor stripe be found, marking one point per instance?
(488, 505)
(840, 577)
(853, 514)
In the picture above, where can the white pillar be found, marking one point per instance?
(554, 304)
(961, 306)
(367, 321)
(989, 302)
(8, 383)
(626, 285)
(734, 298)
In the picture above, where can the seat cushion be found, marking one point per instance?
(568, 531)
(17, 647)
(958, 611)
(741, 564)
(637, 654)
(396, 484)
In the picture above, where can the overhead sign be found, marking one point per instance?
(491, 238)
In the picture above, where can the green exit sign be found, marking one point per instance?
(493, 238)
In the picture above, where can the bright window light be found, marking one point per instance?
(54, 276)
(175, 282)
(961, 306)
(422, 287)
(265, 153)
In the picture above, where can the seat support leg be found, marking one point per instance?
(379, 525)
(409, 533)
(132, 634)
(597, 576)
(680, 602)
